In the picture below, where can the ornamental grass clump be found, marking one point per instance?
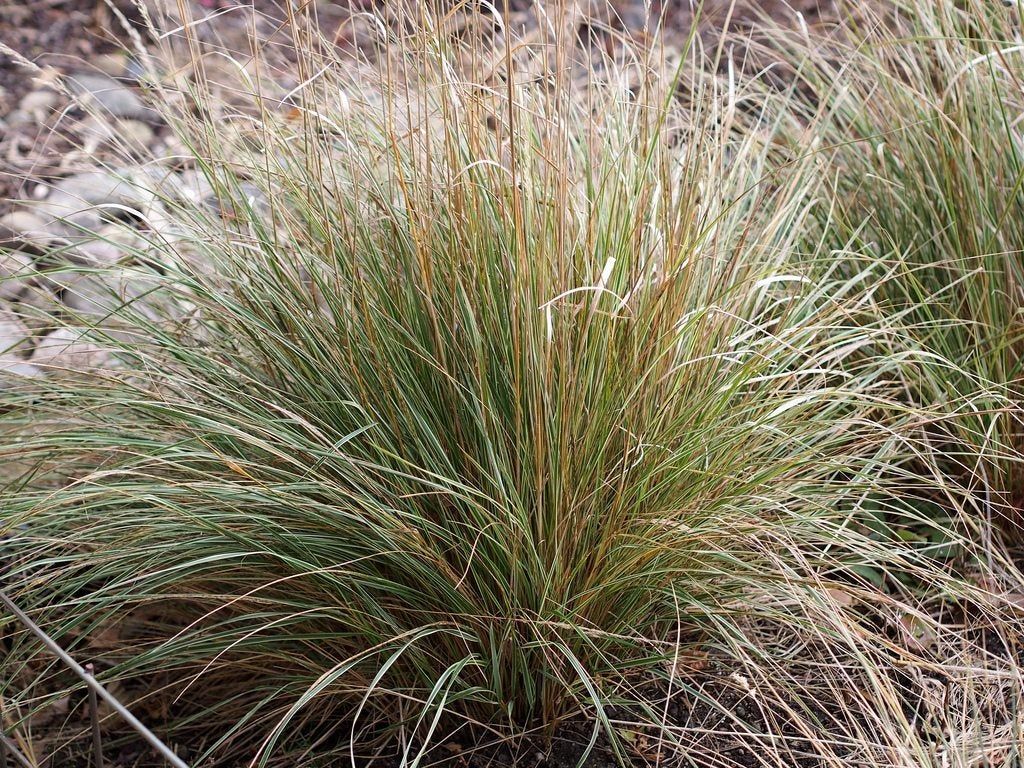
(917, 112)
(494, 398)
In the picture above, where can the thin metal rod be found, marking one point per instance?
(94, 716)
(166, 752)
(10, 747)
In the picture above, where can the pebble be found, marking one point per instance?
(65, 349)
(79, 203)
(16, 118)
(111, 64)
(68, 216)
(107, 298)
(22, 229)
(34, 107)
(15, 338)
(98, 253)
(39, 103)
(15, 343)
(88, 294)
(107, 96)
(134, 132)
(250, 196)
(15, 366)
(98, 187)
(194, 187)
(114, 244)
(132, 137)
(36, 306)
(15, 268)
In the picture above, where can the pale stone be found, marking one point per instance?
(36, 306)
(25, 230)
(134, 136)
(39, 103)
(12, 365)
(78, 204)
(15, 338)
(15, 269)
(104, 95)
(67, 349)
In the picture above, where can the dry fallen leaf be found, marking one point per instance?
(841, 597)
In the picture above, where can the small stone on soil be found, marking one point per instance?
(15, 339)
(15, 269)
(64, 349)
(107, 96)
(21, 229)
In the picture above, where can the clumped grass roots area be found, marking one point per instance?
(493, 418)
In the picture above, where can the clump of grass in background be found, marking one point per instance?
(918, 112)
(497, 400)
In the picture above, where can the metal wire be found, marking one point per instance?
(8, 747)
(94, 718)
(95, 689)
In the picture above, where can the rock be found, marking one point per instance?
(97, 187)
(110, 64)
(104, 95)
(98, 253)
(114, 244)
(194, 187)
(15, 338)
(13, 365)
(78, 204)
(36, 306)
(249, 198)
(16, 118)
(112, 299)
(139, 70)
(39, 104)
(135, 133)
(15, 268)
(26, 231)
(15, 344)
(68, 349)
(68, 216)
(132, 136)
(90, 294)
(34, 107)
